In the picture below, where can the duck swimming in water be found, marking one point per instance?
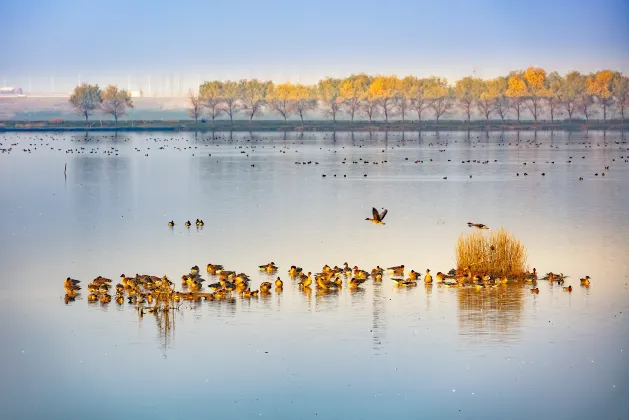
(377, 217)
(585, 281)
(397, 270)
(171, 223)
(188, 224)
(427, 277)
(200, 223)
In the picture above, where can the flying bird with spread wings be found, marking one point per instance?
(377, 217)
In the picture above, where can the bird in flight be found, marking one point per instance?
(377, 217)
(477, 225)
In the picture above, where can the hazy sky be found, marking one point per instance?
(302, 41)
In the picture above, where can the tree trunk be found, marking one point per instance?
(604, 112)
(116, 118)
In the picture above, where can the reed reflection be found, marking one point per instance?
(490, 314)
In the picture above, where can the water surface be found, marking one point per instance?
(365, 354)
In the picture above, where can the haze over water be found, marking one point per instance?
(366, 354)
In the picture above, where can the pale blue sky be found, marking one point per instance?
(124, 41)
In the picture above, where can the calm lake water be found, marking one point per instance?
(378, 352)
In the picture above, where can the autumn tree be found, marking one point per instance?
(440, 96)
(230, 94)
(304, 100)
(468, 91)
(253, 96)
(498, 88)
(352, 92)
(620, 88)
(115, 102)
(487, 98)
(418, 99)
(210, 94)
(585, 99)
(370, 108)
(600, 86)
(535, 80)
(280, 100)
(382, 92)
(196, 106)
(516, 93)
(554, 85)
(86, 99)
(402, 99)
(329, 94)
(569, 93)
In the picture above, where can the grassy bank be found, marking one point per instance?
(274, 125)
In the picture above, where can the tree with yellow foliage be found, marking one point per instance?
(382, 91)
(279, 98)
(621, 93)
(600, 86)
(585, 100)
(304, 100)
(468, 91)
(498, 88)
(253, 96)
(516, 92)
(486, 103)
(352, 92)
(402, 97)
(210, 96)
(230, 93)
(116, 102)
(418, 100)
(554, 84)
(569, 93)
(440, 96)
(535, 80)
(330, 96)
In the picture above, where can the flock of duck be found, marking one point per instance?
(143, 290)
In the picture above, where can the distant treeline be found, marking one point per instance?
(384, 98)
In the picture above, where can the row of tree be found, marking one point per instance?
(386, 97)
(88, 99)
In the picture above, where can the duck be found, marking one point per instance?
(72, 284)
(585, 281)
(171, 223)
(265, 287)
(477, 225)
(568, 289)
(535, 290)
(440, 277)
(294, 271)
(377, 217)
(404, 282)
(413, 275)
(398, 270)
(346, 269)
(270, 267)
(279, 283)
(361, 274)
(200, 223)
(354, 283)
(305, 280)
(531, 276)
(188, 224)
(213, 269)
(194, 270)
(427, 277)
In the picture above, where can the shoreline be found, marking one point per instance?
(310, 126)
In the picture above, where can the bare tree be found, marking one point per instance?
(502, 105)
(370, 108)
(195, 106)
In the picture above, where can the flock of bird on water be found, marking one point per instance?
(144, 289)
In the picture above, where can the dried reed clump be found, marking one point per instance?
(496, 254)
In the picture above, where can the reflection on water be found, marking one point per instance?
(491, 314)
(376, 351)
